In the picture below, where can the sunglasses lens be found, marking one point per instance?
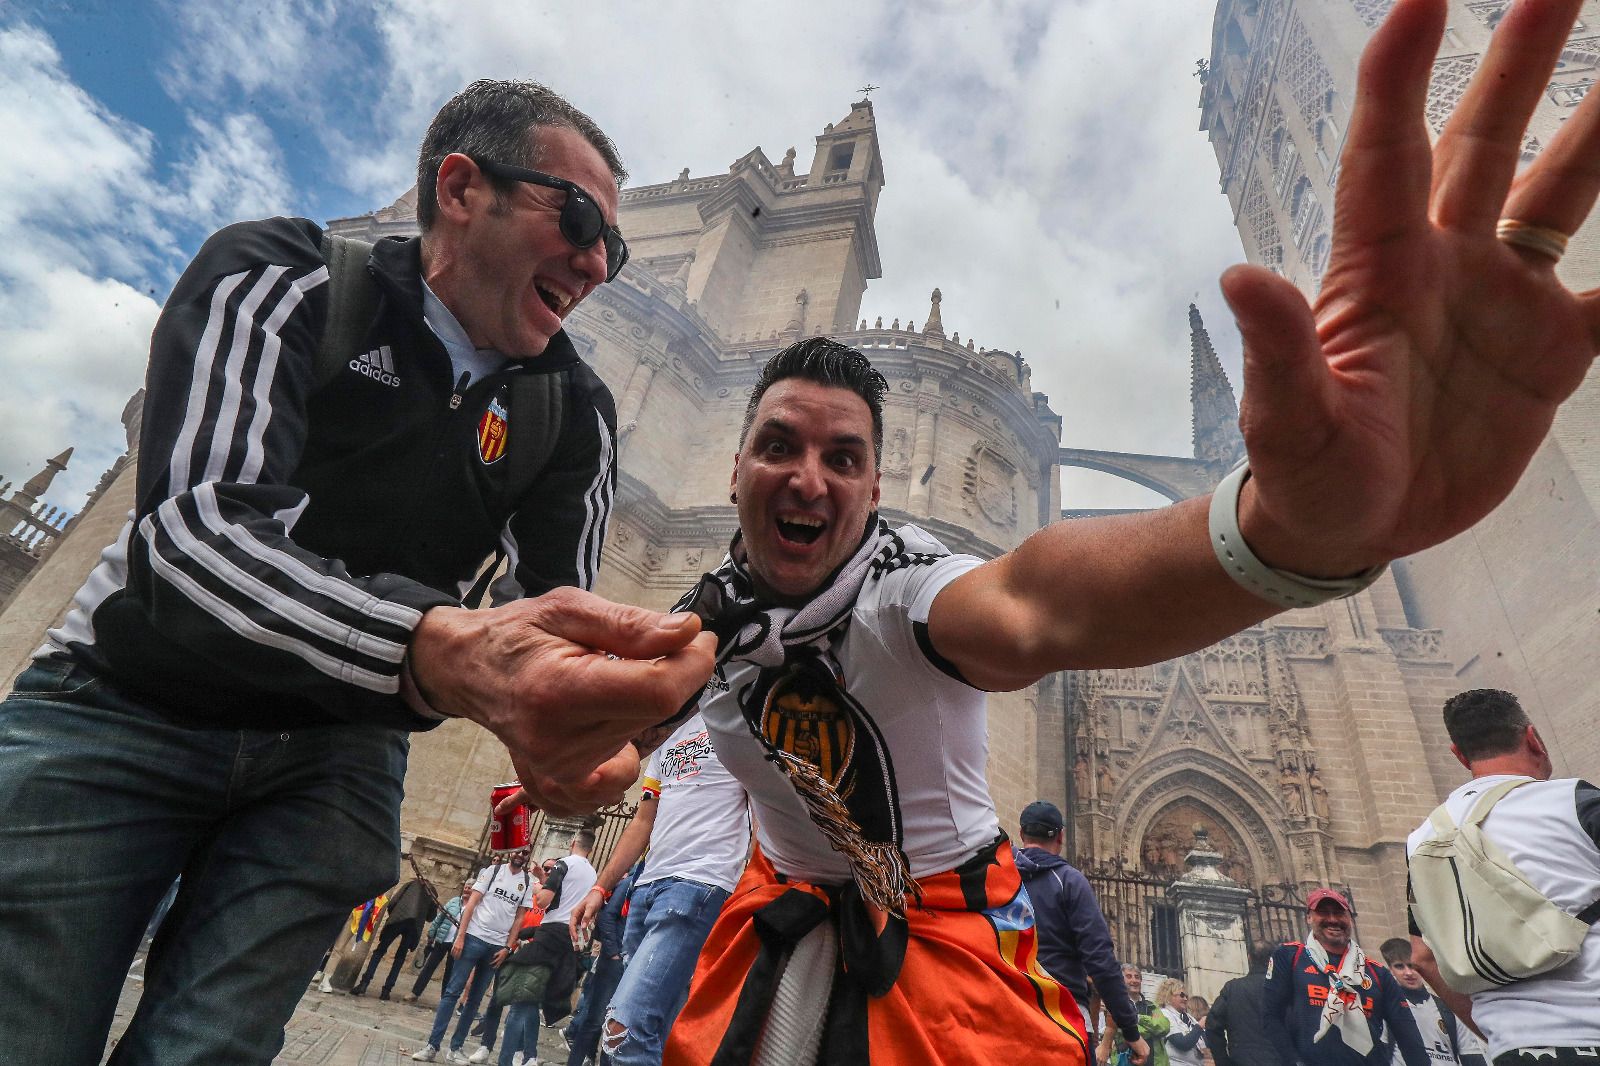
(581, 221)
(616, 253)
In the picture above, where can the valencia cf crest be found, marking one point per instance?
(492, 432)
(805, 717)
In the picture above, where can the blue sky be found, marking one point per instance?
(1042, 160)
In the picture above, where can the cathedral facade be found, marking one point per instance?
(1517, 596)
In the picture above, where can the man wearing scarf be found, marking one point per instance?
(881, 919)
(1325, 1004)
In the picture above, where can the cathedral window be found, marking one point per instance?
(842, 155)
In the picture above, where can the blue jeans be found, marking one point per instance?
(476, 962)
(583, 1033)
(668, 922)
(103, 802)
(522, 1033)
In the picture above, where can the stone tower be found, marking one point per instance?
(28, 526)
(1516, 597)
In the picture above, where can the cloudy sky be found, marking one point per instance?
(1042, 158)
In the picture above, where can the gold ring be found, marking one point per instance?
(1541, 239)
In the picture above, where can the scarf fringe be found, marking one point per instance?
(880, 870)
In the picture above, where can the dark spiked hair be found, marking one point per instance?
(493, 120)
(827, 362)
(1483, 722)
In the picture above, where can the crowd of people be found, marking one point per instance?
(231, 698)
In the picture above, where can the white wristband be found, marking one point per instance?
(1275, 586)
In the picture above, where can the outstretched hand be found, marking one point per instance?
(1405, 404)
(565, 680)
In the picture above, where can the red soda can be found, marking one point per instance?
(508, 833)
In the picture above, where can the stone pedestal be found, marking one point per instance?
(554, 840)
(1210, 920)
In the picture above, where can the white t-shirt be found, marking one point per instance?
(575, 884)
(504, 890)
(934, 727)
(702, 827)
(1538, 828)
(1180, 1026)
(1430, 1023)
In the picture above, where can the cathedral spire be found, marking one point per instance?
(934, 324)
(39, 484)
(1215, 411)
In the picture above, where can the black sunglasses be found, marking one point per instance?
(581, 221)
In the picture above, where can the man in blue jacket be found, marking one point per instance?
(1325, 1003)
(1074, 942)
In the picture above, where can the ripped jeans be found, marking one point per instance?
(668, 922)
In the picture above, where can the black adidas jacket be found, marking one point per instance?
(287, 539)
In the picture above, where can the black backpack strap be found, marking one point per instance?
(352, 301)
(538, 408)
(1590, 914)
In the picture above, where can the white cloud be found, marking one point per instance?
(75, 208)
(234, 170)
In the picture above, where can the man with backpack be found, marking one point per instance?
(1324, 1003)
(1505, 890)
(232, 697)
(1074, 941)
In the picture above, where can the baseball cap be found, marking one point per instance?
(1041, 819)
(1319, 895)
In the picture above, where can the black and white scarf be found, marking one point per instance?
(799, 708)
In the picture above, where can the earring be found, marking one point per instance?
(733, 497)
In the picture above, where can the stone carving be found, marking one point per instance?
(1491, 12)
(1080, 774)
(1304, 642)
(653, 555)
(1306, 75)
(1450, 78)
(990, 482)
(1262, 226)
(1172, 834)
(1571, 94)
(1293, 798)
(693, 557)
(1422, 645)
(1373, 12)
(897, 452)
(1319, 795)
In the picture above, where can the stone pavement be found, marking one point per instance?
(337, 1029)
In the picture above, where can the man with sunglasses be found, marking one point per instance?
(232, 697)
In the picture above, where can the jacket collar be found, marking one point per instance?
(397, 264)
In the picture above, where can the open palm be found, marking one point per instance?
(1404, 405)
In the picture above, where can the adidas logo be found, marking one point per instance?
(378, 365)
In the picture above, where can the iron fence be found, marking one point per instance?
(1144, 920)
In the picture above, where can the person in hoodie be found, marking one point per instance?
(1449, 1042)
(1233, 1025)
(1074, 941)
(1324, 1003)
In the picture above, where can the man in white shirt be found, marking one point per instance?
(1550, 830)
(484, 938)
(694, 818)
